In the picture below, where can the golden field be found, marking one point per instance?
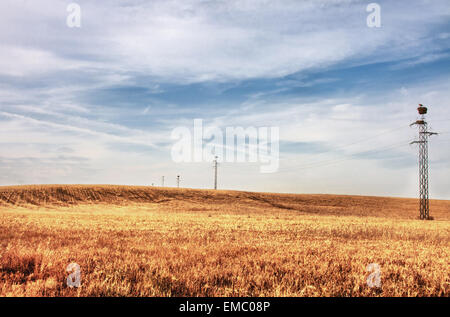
(148, 241)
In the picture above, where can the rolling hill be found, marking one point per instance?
(153, 241)
(73, 195)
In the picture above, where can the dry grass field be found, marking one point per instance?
(146, 241)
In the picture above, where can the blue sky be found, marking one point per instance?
(97, 104)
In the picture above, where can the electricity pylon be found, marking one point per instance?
(424, 207)
(178, 181)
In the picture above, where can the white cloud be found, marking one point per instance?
(53, 137)
(20, 61)
(428, 58)
(206, 40)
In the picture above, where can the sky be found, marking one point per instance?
(97, 104)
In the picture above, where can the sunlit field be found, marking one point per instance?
(147, 241)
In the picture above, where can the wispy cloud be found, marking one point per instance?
(97, 103)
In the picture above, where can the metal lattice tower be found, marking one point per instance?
(424, 206)
(178, 181)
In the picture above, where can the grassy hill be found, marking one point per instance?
(151, 241)
(72, 195)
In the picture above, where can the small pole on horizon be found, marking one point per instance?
(178, 181)
(215, 171)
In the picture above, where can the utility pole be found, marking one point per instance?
(215, 171)
(424, 207)
(162, 181)
(178, 181)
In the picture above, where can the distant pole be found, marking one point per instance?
(424, 206)
(162, 181)
(178, 181)
(215, 171)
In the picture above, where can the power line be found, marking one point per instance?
(360, 141)
(365, 139)
(440, 120)
(334, 161)
(349, 156)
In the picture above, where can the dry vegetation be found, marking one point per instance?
(140, 241)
